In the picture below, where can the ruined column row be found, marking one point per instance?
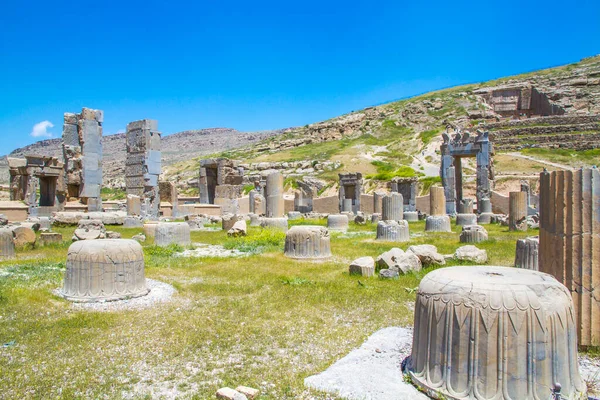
(570, 242)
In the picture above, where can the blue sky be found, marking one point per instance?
(262, 65)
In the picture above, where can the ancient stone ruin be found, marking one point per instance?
(409, 189)
(7, 244)
(438, 221)
(494, 333)
(104, 270)
(82, 152)
(307, 242)
(453, 149)
(517, 216)
(569, 242)
(473, 234)
(39, 182)
(143, 165)
(167, 233)
(465, 214)
(351, 187)
(337, 222)
(393, 231)
(519, 100)
(220, 183)
(274, 196)
(527, 254)
(392, 207)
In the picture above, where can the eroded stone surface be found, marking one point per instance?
(23, 236)
(398, 260)
(438, 223)
(393, 231)
(238, 229)
(364, 266)
(7, 244)
(104, 270)
(527, 253)
(307, 242)
(473, 234)
(167, 233)
(427, 253)
(337, 222)
(471, 253)
(512, 311)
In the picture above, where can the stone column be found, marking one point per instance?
(274, 196)
(527, 253)
(437, 201)
(484, 167)
(392, 207)
(449, 183)
(570, 242)
(517, 217)
(378, 202)
(143, 165)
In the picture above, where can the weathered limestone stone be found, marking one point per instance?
(249, 392)
(230, 394)
(411, 216)
(307, 242)
(437, 223)
(471, 253)
(364, 266)
(393, 231)
(274, 196)
(132, 222)
(228, 220)
(494, 333)
(517, 216)
(378, 202)
(392, 207)
(139, 237)
(113, 235)
(274, 223)
(570, 242)
(466, 219)
(7, 244)
(337, 222)
(150, 228)
(465, 206)
(23, 236)
(293, 215)
(427, 253)
(238, 229)
(103, 270)
(360, 218)
(134, 205)
(3, 220)
(50, 238)
(254, 220)
(143, 167)
(473, 234)
(484, 208)
(437, 201)
(34, 226)
(350, 191)
(396, 259)
(527, 253)
(167, 233)
(389, 274)
(89, 229)
(409, 189)
(375, 218)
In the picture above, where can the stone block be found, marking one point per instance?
(472, 254)
(411, 216)
(393, 231)
(428, 254)
(274, 223)
(473, 234)
(466, 219)
(167, 233)
(527, 253)
(307, 242)
(364, 266)
(50, 238)
(7, 244)
(337, 222)
(437, 223)
(23, 236)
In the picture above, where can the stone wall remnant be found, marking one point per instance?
(409, 189)
(38, 174)
(351, 188)
(483, 332)
(216, 172)
(518, 100)
(82, 153)
(453, 149)
(104, 270)
(570, 242)
(143, 165)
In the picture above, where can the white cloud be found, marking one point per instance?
(41, 129)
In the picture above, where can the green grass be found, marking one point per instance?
(427, 182)
(112, 194)
(426, 136)
(246, 320)
(575, 158)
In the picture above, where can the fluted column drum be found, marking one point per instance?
(517, 216)
(527, 253)
(337, 222)
(466, 219)
(437, 223)
(167, 233)
(7, 244)
(307, 242)
(274, 196)
(437, 201)
(104, 270)
(473, 234)
(275, 223)
(393, 231)
(392, 207)
(494, 333)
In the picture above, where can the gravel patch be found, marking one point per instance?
(373, 371)
(160, 292)
(210, 250)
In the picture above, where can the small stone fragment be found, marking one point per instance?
(389, 274)
(23, 235)
(140, 237)
(428, 254)
(238, 229)
(364, 266)
(230, 394)
(48, 238)
(249, 392)
(471, 253)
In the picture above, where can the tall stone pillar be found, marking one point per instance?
(447, 174)
(437, 201)
(569, 247)
(274, 196)
(378, 202)
(392, 207)
(143, 165)
(82, 153)
(484, 167)
(517, 216)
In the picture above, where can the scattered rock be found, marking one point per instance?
(3, 220)
(230, 394)
(23, 236)
(389, 274)
(238, 229)
(48, 238)
(360, 218)
(140, 237)
(113, 235)
(364, 266)
(249, 392)
(428, 254)
(89, 229)
(472, 254)
(34, 225)
(396, 259)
